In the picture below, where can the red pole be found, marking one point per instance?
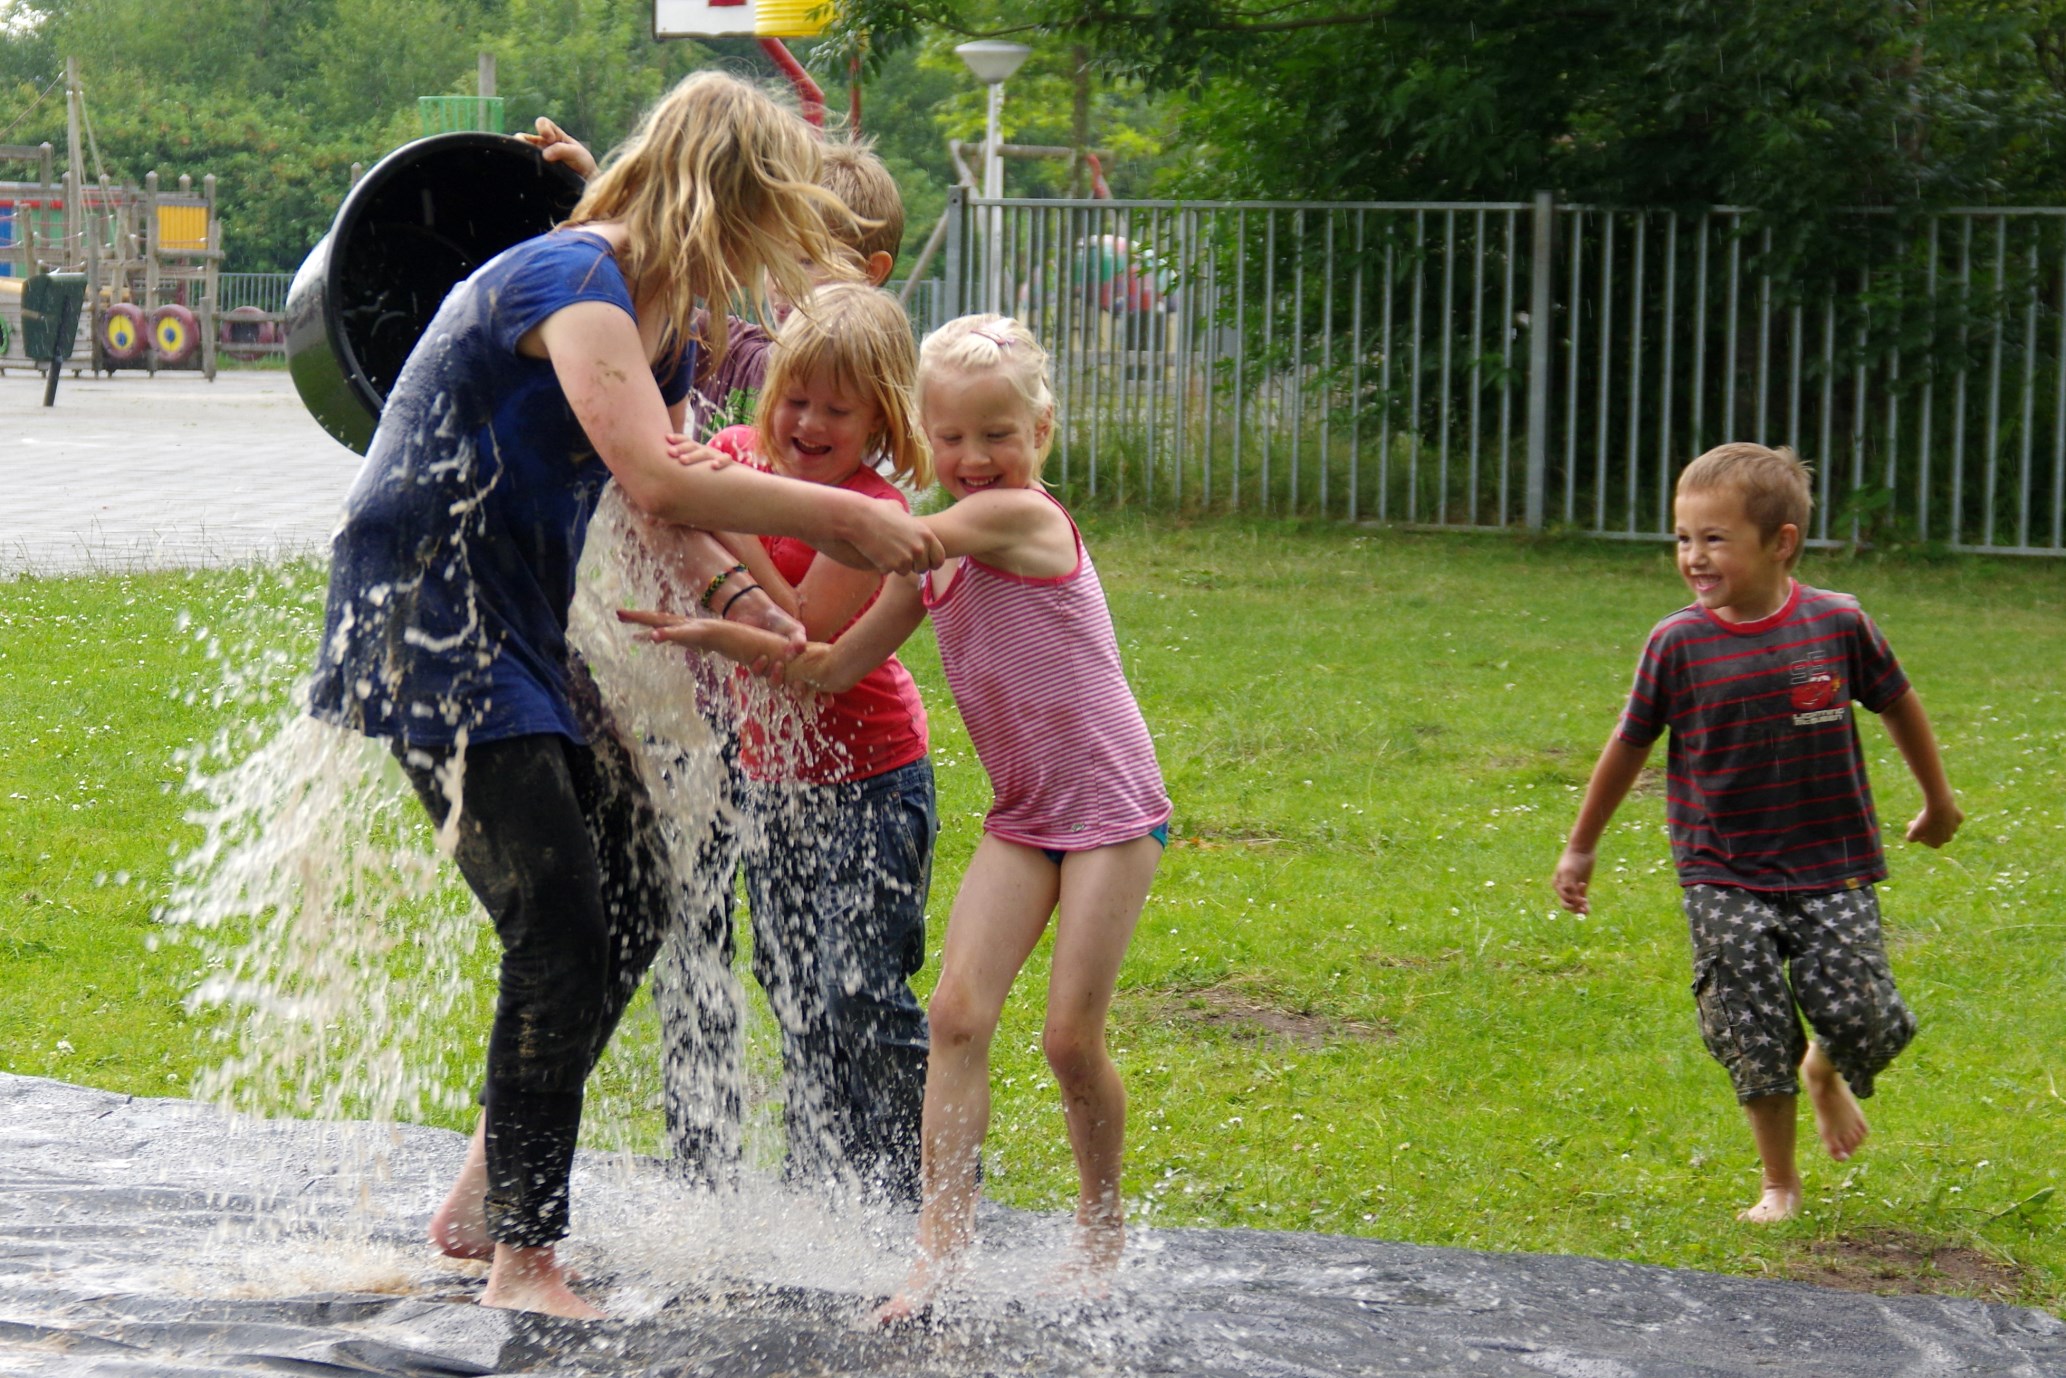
(807, 93)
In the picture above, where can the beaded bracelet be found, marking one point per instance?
(726, 610)
(710, 589)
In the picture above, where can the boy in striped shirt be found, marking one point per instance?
(1771, 817)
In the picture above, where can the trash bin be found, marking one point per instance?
(50, 315)
(422, 219)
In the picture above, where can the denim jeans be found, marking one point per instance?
(838, 877)
(560, 844)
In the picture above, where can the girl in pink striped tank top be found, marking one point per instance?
(1079, 816)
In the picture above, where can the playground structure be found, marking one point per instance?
(150, 257)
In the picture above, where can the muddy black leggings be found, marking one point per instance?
(560, 844)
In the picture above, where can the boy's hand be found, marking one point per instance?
(1935, 826)
(763, 649)
(559, 146)
(1574, 876)
(889, 539)
(689, 452)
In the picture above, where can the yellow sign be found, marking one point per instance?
(182, 227)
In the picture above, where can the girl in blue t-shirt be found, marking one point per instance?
(559, 365)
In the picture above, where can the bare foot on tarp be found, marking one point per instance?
(1838, 1118)
(531, 1279)
(1093, 1259)
(460, 1227)
(912, 1303)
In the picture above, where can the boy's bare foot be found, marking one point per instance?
(1098, 1249)
(531, 1279)
(1778, 1203)
(912, 1304)
(1838, 1118)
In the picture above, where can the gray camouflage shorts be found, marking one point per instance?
(1746, 946)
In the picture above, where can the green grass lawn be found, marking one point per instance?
(1352, 1004)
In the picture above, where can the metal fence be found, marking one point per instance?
(1499, 364)
(265, 291)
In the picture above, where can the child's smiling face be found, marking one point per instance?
(1732, 570)
(821, 431)
(982, 432)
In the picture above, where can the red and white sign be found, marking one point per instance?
(704, 18)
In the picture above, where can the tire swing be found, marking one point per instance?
(174, 334)
(122, 336)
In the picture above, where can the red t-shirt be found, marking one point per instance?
(872, 728)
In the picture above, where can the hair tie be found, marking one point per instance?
(1001, 341)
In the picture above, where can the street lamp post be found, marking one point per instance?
(992, 60)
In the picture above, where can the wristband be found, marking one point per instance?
(726, 611)
(710, 589)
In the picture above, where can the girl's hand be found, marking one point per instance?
(559, 146)
(880, 535)
(689, 452)
(1574, 876)
(762, 650)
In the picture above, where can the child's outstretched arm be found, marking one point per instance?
(833, 668)
(1909, 726)
(1015, 529)
(596, 354)
(1613, 777)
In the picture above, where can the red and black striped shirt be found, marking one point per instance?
(1766, 776)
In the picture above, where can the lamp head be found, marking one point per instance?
(991, 59)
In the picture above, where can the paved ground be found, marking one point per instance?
(135, 472)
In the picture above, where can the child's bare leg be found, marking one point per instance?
(460, 1227)
(1772, 1121)
(1103, 892)
(531, 1279)
(1838, 1118)
(1005, 899)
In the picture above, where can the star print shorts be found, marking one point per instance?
(1761, 962)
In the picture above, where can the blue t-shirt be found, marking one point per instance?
(452, 573)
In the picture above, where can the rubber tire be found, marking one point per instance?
(240, 327)
(123, 338)
(175, 334)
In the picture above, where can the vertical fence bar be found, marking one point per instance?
(1730, 353)
(2023, 494)
(1275, 392)
(1448, 327)
(1506, 380)
(2059, 418)
(1601, 427)
(1298, 347)
(1384, 380)
(1999, 314)
(1764, 332)
(1923, 425)
(1477, 372)
(1635, 364)
(1894, 393)
(1699, 445)
(1327, 388)
(1796, 328)
(1240, 353)
(1209, 327)
(1542, 258)
(1858, 396)
(1664, 380)
(1356, 373)
(1828, 410)
(1958, 406)
(1571, 368)
(957, 231)
(1420, 266)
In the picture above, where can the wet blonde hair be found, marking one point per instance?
(1775, 486)
(995, 344)
(857, 176)
(861, 339)
(717, 190)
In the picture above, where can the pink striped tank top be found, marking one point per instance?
(1034, 666)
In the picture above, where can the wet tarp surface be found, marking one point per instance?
(157, 1237)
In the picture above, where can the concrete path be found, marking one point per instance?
(135, 472)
